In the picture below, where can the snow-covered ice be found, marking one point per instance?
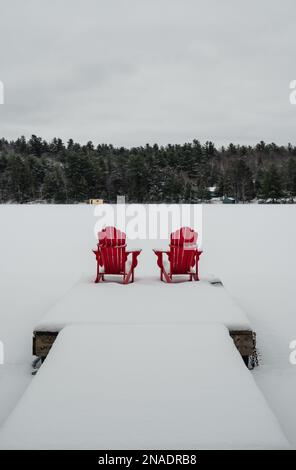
(47, 249)
(143, 387)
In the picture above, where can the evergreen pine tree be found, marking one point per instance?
(272, 184)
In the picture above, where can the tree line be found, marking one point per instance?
(34, 170)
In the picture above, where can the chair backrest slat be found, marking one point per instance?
(183, 250)
(112, 244)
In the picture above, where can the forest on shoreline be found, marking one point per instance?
(34, 170)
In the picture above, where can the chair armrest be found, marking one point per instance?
(135, 254)
(135, 250)
(160, 250)
(98, 256)
(159, 254)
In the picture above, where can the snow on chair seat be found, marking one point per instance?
(142, 387)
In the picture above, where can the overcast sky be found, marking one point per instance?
(129, 72)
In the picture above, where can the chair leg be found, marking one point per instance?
(196, 276)
(127, 277)
(98, 277)
(164, 276)
(167, 277)
(133, 277)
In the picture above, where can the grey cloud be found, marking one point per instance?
(137, 71)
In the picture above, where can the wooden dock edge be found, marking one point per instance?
(244, 340)
(42, 342)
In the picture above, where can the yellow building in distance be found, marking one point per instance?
(96, 201)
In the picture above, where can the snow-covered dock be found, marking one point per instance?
(147, 301)
(152, 386)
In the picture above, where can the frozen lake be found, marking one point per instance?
(46, 249)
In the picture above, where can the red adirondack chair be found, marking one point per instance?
(112, 256)
(182, 257)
